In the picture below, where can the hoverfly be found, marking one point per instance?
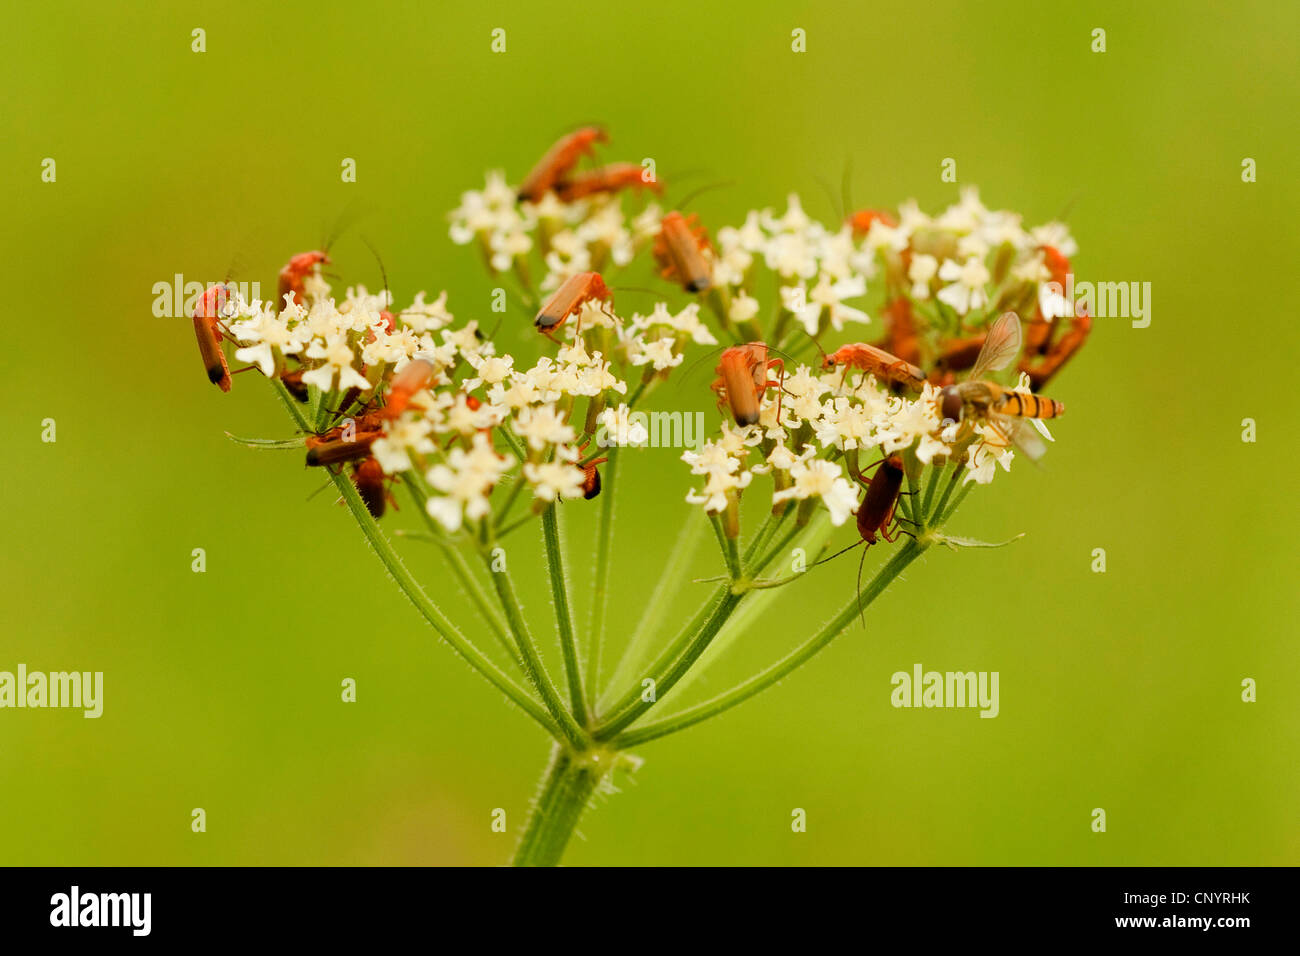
(1002, 408)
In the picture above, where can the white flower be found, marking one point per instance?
(829, 296)
(554, 479)
(743, 307)
(967, 289)
(983, 455)
(408, 434)
(1057, 235)
(465, 482)
(338, 358)
(922, 272)
(821, 479)
(492, 370)
(714, 495)
(542, 426)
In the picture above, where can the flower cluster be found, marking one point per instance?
(585, 235)
(471, 428)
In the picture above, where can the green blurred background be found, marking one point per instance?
(1118, 690)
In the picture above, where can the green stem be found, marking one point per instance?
(961, 496)
(947, 493)
(566, 790)
(563, 613)
(676, 648)
(384, 550)
(664, 681)
(477, 594)
(936, 475)
(776, 549)
(533, 665)
(905, 555)
(812, 538)
(730, 553)
(600, 590)
(759, 539)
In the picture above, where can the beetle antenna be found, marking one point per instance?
(841, 551)
(818, 344)
(830, 193)
(703, 189)
(345, 218)
(862, 611)
(383, 273)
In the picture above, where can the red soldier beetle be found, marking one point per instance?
(862, 221)
(575, 292)
(1041, 369)
(208, 331)
(591, 475)
(323, 451)
(607, 179)
(876, 515)
(742, 381)
(558, 160)
(680, 250)
(369, 479)
(293, 277)
(415, 375)
(886, 366)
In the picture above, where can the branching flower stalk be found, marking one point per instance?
(487, 445)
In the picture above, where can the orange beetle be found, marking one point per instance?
(569, 299)
(607, 179)
(558, 160)
(415, 375)
(680, 249)
(369, 479)
(207, 329)
(293, 276)
(742, 380)
(884, 365)
(862, 221)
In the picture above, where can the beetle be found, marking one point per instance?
(558, 160)
(208, 331)
(569, 298)
(681, 248)
(293, 276)
(607, 179)
(742, 380)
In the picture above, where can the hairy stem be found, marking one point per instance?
(563, 613)
(533, 665)
(665, 680)
(566, 790)
(388, 556)
(905, 555)
(384, 550)
(477, 594)
(600, 589)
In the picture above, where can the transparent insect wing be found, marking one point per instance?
(1001, 346)
(1023, 437)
